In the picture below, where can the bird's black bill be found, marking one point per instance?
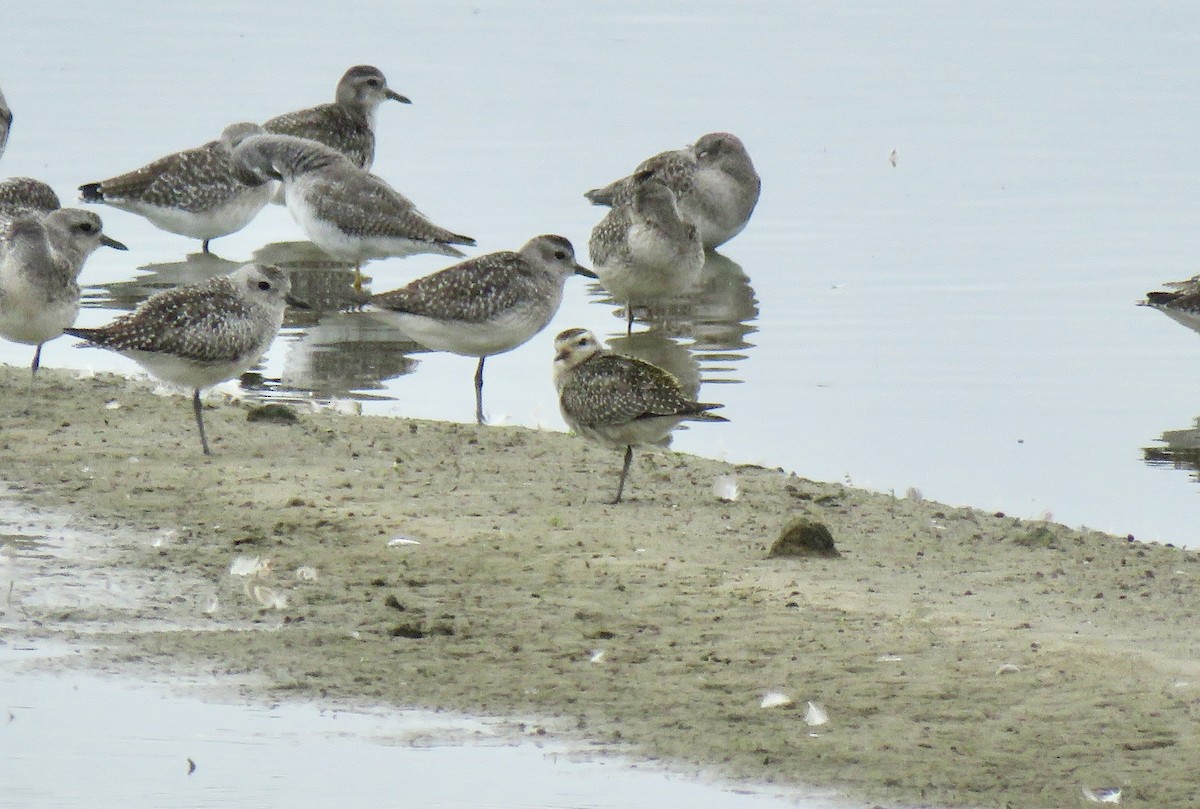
(108, 241)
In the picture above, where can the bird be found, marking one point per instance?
(348, 124)
(346, 211)
(26, 196)
(485, 305)
(200, 334)
(41, 257)
(714, 180)
(197, 192)
(644, 250)
(6, 118)
(1181, 303)
(618, 400)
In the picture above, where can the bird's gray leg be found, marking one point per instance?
(196, 407)
(624, 473)
(479, 391)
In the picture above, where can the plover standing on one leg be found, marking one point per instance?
(348, 124)
(617, 400)
(22, 196)
(197, 192)
(713, 179)
(644, 250)
(485, 305)
(200, 334)
(41, 257)
(347, 212)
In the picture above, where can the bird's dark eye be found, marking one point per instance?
(264, 285)
(86, 227)
(373, 82)
(560, 254)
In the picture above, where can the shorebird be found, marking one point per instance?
(643, 249)
(25, 196)
(346, 211)
(713, 179)
(348, 124)
(41, 257)
(197, 192)
(5, 123)
(1181, 304)
(200, 334)
(618, 400)
(486, 305)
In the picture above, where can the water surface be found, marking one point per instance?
(962, 322)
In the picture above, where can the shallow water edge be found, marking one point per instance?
(963, 658)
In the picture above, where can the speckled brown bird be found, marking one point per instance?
(200, 334)
(348, 124)
(197, 192)
(349, 213)
(485, 305)
(714, 181)
(618, 400)
(22, 196)
(644, 250)
(41, 256)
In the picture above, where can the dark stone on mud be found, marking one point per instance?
(804, 537)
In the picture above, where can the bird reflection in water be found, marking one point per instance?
(332, 353)
(1181, 450)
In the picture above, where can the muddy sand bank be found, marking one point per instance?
(962, 658)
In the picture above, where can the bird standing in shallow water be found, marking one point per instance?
(200, 334)
(485, 305)
(618, 400)
(197, 192)
(714, 181)
(41, 257)
(644, 250)
(349, 213)
(348, 124)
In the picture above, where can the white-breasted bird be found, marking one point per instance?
(200, 334)
(196, 192)
(349, 213)
(617, 400)
(714, 181)
(486, 305)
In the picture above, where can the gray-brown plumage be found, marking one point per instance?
(22, 196)
(714, 181)
(200, 334)
(41, 256)
(644, 249)
(197, 192)
(1181, 303)
(618, 400)
(346, 211)
(348, 124)
(485, 305)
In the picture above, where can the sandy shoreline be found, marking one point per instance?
(963, 658)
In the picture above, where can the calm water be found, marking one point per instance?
(76, 738)
(961, 322)
(83, 740)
